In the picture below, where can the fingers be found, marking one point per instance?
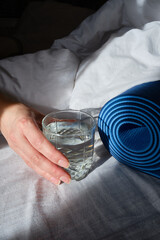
(41, 164)
(42, 145)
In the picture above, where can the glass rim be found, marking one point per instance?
(65, 111)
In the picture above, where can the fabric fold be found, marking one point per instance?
(129, 126)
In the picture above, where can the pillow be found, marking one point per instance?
(43, 80)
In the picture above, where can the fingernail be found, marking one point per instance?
(63, 163)
(55, 181)
(65, 179)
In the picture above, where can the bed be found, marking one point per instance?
(111, 51)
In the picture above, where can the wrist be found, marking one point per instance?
(6, 101)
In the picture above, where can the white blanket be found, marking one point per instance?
(118, 47)
(130, 56)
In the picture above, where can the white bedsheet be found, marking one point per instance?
(114, 201)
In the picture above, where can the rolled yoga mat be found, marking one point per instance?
(129, 126)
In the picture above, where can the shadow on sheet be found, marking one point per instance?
(113, 202)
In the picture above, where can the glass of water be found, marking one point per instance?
(72, 132)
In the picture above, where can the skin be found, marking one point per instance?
(20, 125)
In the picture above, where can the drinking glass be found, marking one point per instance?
(72, 132)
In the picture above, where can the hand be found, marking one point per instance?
(19, 125)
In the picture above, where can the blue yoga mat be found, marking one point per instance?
(129, 126)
